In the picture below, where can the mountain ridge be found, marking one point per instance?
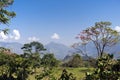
(58, 49)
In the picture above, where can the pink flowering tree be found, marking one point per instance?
(101, 35)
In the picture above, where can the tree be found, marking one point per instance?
(22, 67)
(102, 36)
(33, 47)
(14, 67)
(48, 63)
(48, 60)
(6, 15)
(108, 69)
(75, 61)
(46, 74)
(32, 51)
(4, 58)
(66, 76)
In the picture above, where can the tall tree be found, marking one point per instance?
(101, 35)
(33, 47)
(6, 15)
(32, 51)
(48, 60)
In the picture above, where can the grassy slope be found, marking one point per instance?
(79, 73)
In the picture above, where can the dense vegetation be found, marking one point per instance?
(20, 67)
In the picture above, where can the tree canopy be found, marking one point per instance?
(6, 15)
(33, 47)
(102, 36)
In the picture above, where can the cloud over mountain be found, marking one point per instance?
(55, 36)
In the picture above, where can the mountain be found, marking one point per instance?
(13, 46)
(59, 50)
(64, 52)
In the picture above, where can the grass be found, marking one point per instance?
(79, 73)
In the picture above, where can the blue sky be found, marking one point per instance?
(60, 20)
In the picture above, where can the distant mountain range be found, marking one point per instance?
(59, 50)
(13, 46)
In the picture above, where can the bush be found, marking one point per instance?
(106, 69)
(76, 61)
(66, 76)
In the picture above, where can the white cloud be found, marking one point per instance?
(33, 39)
(117, 28)
(55, 36)
(3, 36)
(16, 34)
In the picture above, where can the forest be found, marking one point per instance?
(36, 64)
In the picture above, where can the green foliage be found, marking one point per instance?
(46, 73)
(76, 61)
(33, 47)
(105, 70)
(5, 15)
(21, 67)
(66, 76)
(32, 52)
(116, 67)
(48, 60)
(33, 58)
(13, 66)
(90, 63)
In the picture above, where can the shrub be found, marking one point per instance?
(66, 76)
(106, 69)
